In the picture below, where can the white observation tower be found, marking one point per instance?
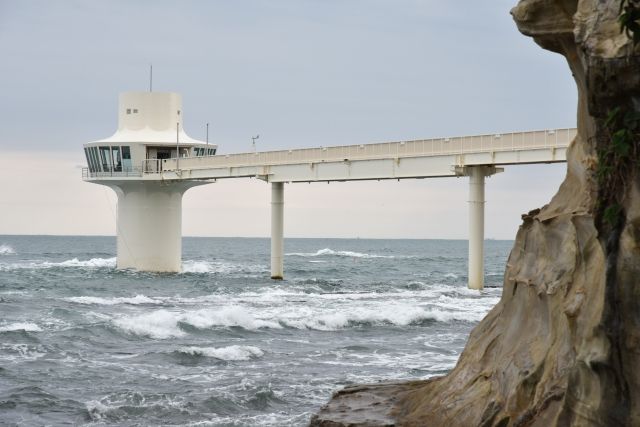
(149, 219)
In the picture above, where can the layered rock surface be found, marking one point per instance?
(562, 347)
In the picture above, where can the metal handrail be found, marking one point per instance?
(125, 172)
(152, 166)
(547, 139)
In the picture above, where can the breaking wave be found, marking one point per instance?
(71, 263)
(163, 324)
(92, 263)
(138, 299)
(331, 252)
(220, 267)
(233, 352)
(20, 326)
(189, 266)
(395, 315)
(6, 250)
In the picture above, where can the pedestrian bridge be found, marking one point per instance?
(475, 156)
(424, 158)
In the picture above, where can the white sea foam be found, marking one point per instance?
(222, 267)
(97, 410)
(138, 299)
(233, 352)
(113, 404)
(92, 263)
(451, 275)
(331, 252)
(6, 250)
(71, 263)
(163, 324)
(159, 324)
(391, 314)
(20, 326)
(227, 317)
(21, 352)
(275, 307)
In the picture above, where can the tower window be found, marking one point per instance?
(128, 110)
(135, 111)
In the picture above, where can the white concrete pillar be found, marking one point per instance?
(476, 226)
(277, 230)
(149, 226)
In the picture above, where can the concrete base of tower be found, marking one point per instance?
(149, 225)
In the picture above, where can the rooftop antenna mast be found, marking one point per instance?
(150, 77)
(253, 142)
(207, 133)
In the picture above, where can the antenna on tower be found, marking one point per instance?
(253, 142)
(207, 133)
(150, 77)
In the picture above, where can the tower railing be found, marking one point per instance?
(124, 173)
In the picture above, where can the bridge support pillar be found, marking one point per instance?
(277, 230)
(476, 176)
(476, 227)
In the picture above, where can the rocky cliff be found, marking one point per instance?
(562, 347)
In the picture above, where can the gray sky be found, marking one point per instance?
(298, 72)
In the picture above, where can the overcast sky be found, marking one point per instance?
(300, 73)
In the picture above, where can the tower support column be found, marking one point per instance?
(149, 226)
(277, 230)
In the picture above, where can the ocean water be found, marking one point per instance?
(221, 344)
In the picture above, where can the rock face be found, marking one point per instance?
(562, 347)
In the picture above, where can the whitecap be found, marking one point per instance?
(98, 411)
(21, 352)
(227, 317)
(221, 267)
(6, 250)
(331, 252)
(233, 352)
(20, 326)
(138, 299)
(159, 324)
(73, 263)
(451, 275)
(163, 324)
(92, 263)
(395, 314)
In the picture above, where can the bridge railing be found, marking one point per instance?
(424, 147)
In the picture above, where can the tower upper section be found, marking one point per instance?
(158, 111)
(149, 133)
(150, 117)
